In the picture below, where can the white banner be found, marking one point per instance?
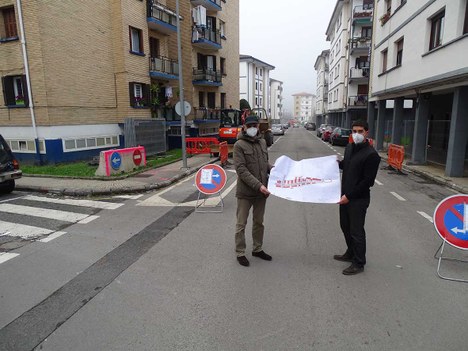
(311, 180)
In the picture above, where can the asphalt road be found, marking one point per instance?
(154, 275)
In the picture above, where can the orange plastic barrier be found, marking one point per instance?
(200, 145)
(396, 155)
(223, 153)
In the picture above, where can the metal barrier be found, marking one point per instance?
(396, 155)
(223, 153)
(200, 145)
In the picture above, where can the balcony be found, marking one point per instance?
(360, 45)
(164, 68)
(207, 77)
(161, 18)
(206, 38)
(207, 114)
(359, 75)
(210, 5)
(358, 101)
(363, 14)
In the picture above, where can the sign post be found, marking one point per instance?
(210, 180)
(451, 223)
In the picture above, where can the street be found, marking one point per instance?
(146, 272)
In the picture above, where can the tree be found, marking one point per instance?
(244, 104)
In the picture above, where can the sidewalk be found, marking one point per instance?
(435, 173)
(164, 176)
(149, 180)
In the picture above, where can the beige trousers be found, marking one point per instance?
(243, 209)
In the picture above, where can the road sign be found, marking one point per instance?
(116, 160)
(451, 220)
(187, 108)
(210, 179)
(137, 157)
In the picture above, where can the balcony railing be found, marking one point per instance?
(357, 73)
(360, 44)
(164, 67)
(358, 100)
(207, 77)
(210, 5)
(161, 17)
(206, 38)
(363, 12)
(205, 113)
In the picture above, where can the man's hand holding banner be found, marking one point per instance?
(314, 180)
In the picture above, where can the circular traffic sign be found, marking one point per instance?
(210, 179)
(187, 108)
(137, 157)
(451, 220)
(115, 160)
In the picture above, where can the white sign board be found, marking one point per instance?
(187, 108)
(314, 180)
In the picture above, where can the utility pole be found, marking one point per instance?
(181, 90)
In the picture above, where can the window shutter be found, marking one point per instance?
(131, 93)
(8, 91)
(146, 94)
(10, 22)
(25, 91)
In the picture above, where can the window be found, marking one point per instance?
(222, 62)
(154, 47)
(201, 99)
(368, 4)
(139, 94)
(211, 100)
(366, 32)
(88, 143)
(384, 60)
(261, 72)
(222, 29)
(15, 92)
(437, 30)
(9, 22)
(388, 6)
(136, 42)
(256, 85)
(399, 51)
(261, 86)
(223, 100)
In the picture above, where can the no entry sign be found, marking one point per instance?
(451, 220)
(137, 157)
(210, 179)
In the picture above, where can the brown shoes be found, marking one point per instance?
(353, 269)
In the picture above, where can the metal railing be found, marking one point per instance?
(205, 113)
(358, 100)
(207, 75)
(360, 42)
(199, 33)
(162, 12)
(164, 65)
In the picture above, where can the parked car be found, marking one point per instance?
(277, 129)
(327, 132)
(286, 126)
(321, 129)
(340, 136)
(310, 126)
(9, 168)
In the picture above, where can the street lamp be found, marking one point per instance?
(181, 90)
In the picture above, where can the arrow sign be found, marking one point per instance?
(116, 160)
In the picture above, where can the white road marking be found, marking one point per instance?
(22, 230)
(5, 256)
(378, 182)
(277, 140)
(15, 198)
(52, 237)
(425, 215)
(211, 201)
(339, 153)
(87, 219)
(43, 212)
(397, 196)
(83, 203)
(131, 197)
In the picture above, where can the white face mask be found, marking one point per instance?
(358, 138)
(252, 131)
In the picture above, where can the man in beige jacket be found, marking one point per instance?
(252, 167)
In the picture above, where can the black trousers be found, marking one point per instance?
(352, 220)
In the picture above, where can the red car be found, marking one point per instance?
(326, 133)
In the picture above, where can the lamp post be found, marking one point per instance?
(181, 90)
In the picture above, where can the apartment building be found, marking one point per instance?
(304, 107)
(350, 34)
(419, 80)
(276, 100)
(93, 65)
(254, 81)
(322, 68)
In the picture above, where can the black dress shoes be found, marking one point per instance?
(262, 255)
(353, 269)
(243, 261)
(343, 258)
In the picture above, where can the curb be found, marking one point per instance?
(113, 190)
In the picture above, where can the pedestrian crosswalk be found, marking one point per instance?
(42, 218)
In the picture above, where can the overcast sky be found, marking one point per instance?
(288, 35)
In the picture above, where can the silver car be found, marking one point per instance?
(277, 129)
